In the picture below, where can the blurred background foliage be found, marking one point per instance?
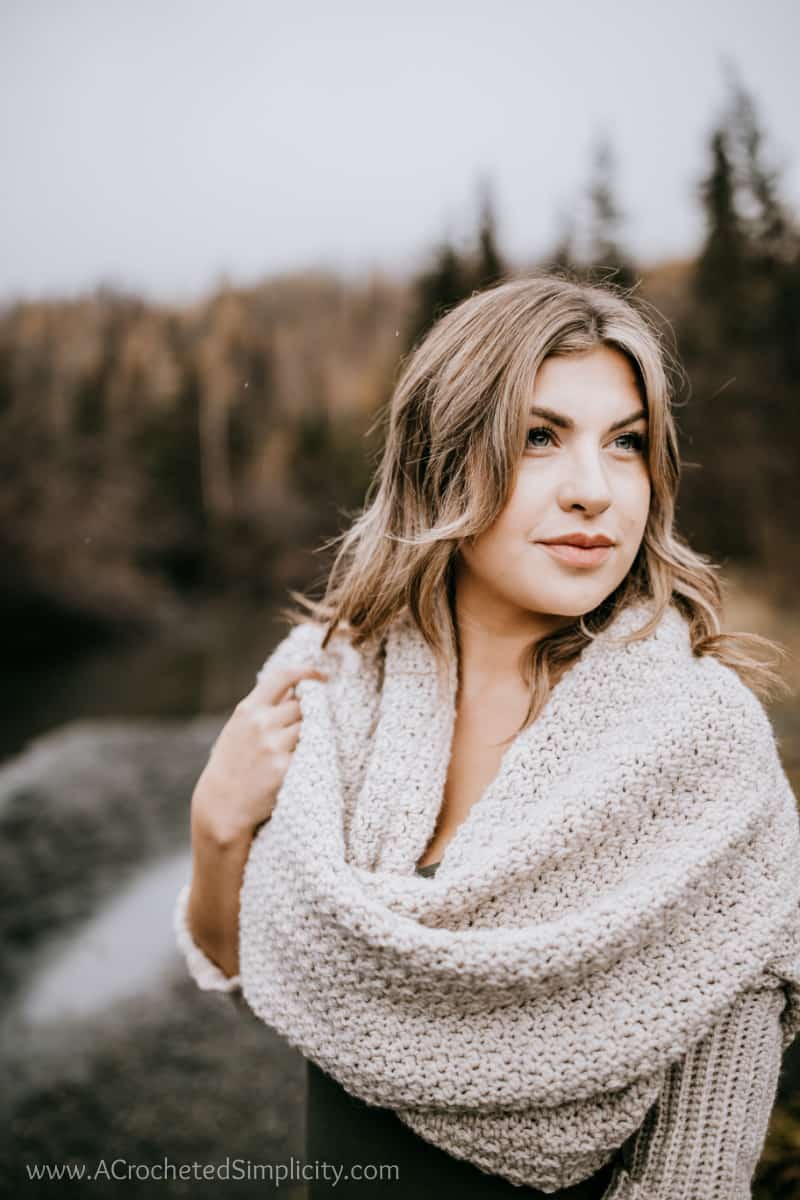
(154, 458)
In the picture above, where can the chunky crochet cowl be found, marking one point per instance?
(629, 871)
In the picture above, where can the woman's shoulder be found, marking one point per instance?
(694, 699)
(703, 676)
(722, 689)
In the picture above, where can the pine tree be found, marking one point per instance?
(746, 331)
(489, 267)
(747, 271)
(721, 265)
(606, 256)
(437, 289)
(563, 257)
(773, 238)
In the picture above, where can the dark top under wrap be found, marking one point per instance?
(342, 1130)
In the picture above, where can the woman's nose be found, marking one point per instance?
(585, 483)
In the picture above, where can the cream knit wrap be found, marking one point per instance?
(629, 871)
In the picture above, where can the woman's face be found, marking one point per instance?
(583, 471)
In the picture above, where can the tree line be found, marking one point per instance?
(156, 456)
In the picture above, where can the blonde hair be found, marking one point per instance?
(455, 432)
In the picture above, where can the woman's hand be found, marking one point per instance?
(249, 760)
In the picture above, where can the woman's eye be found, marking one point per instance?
(532, 433)
(636, 440)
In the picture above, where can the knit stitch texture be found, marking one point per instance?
(627, 878)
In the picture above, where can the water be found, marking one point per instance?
(120, 952)
(206, 665)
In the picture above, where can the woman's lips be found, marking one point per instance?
(577, 556)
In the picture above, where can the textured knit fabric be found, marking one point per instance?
(206, 973)
(341, 1129)
(625, 882)
(703, 1136)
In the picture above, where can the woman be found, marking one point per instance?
(515, 686)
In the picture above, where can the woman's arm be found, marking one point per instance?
(706, 1132)
(232, 799)
(208, 976)
(212, 906)
(206, 914)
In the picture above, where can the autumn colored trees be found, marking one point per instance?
(149, 455)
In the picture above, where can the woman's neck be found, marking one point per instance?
(491, 644)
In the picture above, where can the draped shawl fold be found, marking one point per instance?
(629, 871)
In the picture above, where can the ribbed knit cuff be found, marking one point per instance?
(785, 967)
(705, 1134)
(206, 974)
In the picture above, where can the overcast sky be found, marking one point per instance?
(162, 144)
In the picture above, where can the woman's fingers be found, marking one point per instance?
(286, 712)
(275, 681)
(286, 737)
(271, 721)
(251, 756)
(278, 742)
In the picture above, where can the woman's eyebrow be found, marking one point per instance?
(567, 422)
